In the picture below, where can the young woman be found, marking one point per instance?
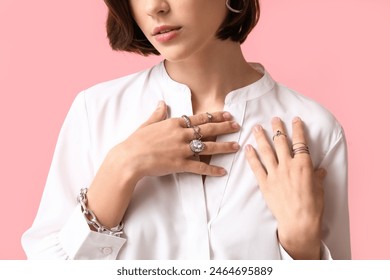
(190, 159)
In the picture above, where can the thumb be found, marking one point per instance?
(158, 115)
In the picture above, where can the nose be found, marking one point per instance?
(157, 7)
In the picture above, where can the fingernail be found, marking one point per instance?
(160, 104)
(236, 146)
(222, 171)
(235, 125)
(275, 119)
(227, 116)
(248, 148)
(258, 128)
(296, 119)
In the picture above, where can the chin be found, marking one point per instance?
(175, 56)
(177, 52)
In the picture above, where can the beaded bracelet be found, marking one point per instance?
(93, 221)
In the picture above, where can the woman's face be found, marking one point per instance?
(179, 28)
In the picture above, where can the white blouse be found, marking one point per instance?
(178, 216)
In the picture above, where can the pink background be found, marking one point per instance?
(335, 51)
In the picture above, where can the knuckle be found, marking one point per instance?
(209, 129)
(185, 150)
(218, 117)
(203, 118)
(220, 128)
(265, 151)
(256, 167)
(183, 136)
(252, 157)
(178, 122)
(205, 130)
(202, 167)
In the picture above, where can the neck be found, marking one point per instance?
(212, 74)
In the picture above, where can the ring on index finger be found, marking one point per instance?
(187, 120)
(277, 134)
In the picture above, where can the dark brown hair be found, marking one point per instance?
(125, 35)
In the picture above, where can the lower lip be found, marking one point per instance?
(166, 37)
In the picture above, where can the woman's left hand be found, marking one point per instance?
(291, 188)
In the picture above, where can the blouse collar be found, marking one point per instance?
(246, 93)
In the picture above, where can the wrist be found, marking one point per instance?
(92, 220)
(301, 244)
(123, 167)
(110, 193)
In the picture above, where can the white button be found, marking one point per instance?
(106, 250)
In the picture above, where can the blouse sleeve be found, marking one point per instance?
(335, 232)
(59, 230)
(325, 254)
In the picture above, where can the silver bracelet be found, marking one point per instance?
(93, 221)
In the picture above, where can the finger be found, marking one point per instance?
(158, 115)
(265, 151)
(280, 140)
(255, 164)
(203, 118)
(201, 168)
(213, 129)
(213, 148)
(299, 141)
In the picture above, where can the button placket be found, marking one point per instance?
(215, 187)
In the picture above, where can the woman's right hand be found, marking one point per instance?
(161, 146)
(158, 147)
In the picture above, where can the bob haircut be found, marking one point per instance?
(125, 35)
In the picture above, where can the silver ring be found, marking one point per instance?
(197, 146)
(197, 133)
(299, 143)
(187, 120)
(277, 134)
(301, 150)
(209, 116)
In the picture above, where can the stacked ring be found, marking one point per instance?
(303, 149)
